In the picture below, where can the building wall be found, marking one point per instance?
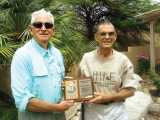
(133, 51)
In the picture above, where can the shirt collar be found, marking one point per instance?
(41, 50)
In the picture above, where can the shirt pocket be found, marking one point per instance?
(40, 72)
(40, 75)
(58, 73)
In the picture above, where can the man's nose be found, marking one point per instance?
(43, 27)
(107, 35)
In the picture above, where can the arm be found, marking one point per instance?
(127, 88)
(21, 82)
(121, 95)
(37, 105)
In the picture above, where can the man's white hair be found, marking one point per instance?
(42, 11)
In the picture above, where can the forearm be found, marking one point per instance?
(37, 105)
(101, 97)
(123, 94)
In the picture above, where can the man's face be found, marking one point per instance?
(106, 36)
(43, 34)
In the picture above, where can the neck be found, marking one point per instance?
(43, 44)
(105, 53)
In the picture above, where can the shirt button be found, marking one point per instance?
(54, 86)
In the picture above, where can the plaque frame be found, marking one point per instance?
(75, 86)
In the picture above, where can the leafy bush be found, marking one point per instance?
(9, 113)
(157, 67)
(156, 80)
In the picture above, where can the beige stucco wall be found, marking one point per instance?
(133, 51)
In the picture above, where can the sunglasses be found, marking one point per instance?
(40, 24)
(109, 34)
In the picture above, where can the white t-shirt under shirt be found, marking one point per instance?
(109, 75)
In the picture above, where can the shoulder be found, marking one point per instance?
(90, 54)
(123, 59)
(56, 53)
(53, 49)
(119, 55)
(24, 50)
(88, 57)
(56, 50)
(28, 52)
(21, 56)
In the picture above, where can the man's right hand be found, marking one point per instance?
(65, 105)
(37, 105)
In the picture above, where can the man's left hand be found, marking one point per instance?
(101, 98)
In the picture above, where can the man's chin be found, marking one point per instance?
(44, 40)
(107, 46)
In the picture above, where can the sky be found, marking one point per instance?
(157, 0)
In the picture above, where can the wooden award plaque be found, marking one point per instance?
(78, 89)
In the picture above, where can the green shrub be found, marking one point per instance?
(157, 68)
(156, 80)
(143, 64)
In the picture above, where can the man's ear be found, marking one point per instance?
(53, 31)
(95, 37)
(30, 28)
(115, 37)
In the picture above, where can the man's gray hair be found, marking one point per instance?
(103, 23)
(42, 11)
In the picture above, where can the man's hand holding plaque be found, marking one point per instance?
(78, 89)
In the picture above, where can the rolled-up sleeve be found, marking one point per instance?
(21, 81)
(128, 77)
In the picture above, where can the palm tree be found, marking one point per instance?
(15, 18)
(12, 26)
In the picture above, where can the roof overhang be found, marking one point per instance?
(150, 16)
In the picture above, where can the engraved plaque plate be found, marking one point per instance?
(79, 89)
